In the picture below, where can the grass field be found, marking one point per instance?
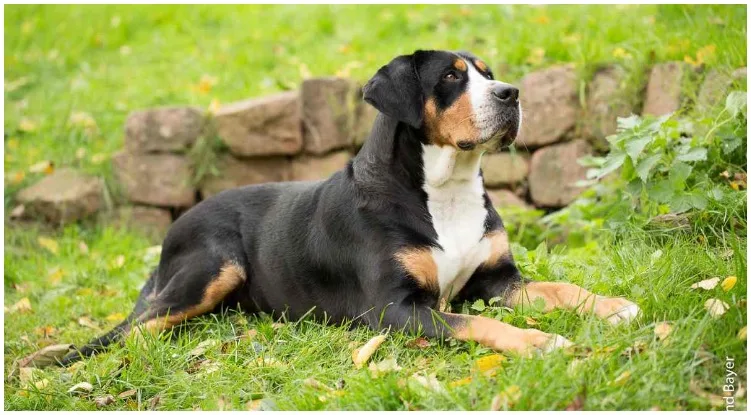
(72, 74)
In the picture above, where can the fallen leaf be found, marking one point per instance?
(384, 366)
(313, 383)
(418, 343)
(663, 330)
(81, 388)
(27, 375)
(249, 335)
(22, 306)
(127, 394)
(47, 356)
(46, 167)
(18, 177)
(206, 83)
(707, 284)
(506, 399)
(428, 382)
(728, 283)
(638, 347)
(277, 326)
(54, 276)
(203, 347)
(26, 125)
(742, 333)
(460, 382)
(115, 317)
(46, 331)
(715, 307)
(360, 356)
(48, 244)
(103, 401)
(488, 365)
(530, 321)
(154, 402)
(621, 379)
(87, 322)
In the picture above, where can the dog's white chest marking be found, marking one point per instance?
(457, 208)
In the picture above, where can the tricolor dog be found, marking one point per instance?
(405, 226)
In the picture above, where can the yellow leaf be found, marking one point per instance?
(45, 166)
(728, 283)
(48, 244)
(489, 364)
(621, 53)
(742, 333)
(45, 331)
(54, 276)
(26, 125)
(716, 308)
(663, 330)
(87, 322)
(18, 177)
(119, 261)
(530, 321)
(115, 317)
(460, 382)
(622, 378)
(360, 356)
(23, 305)
(734, 185)
(206, 83)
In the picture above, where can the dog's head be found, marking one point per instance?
(451, 96)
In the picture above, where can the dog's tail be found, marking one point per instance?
(118, 332)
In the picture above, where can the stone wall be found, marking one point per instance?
(310, 133)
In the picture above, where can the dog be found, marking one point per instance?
(405, 227)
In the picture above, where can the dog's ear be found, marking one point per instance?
(395, 91)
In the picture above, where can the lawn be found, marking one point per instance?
(72, 74)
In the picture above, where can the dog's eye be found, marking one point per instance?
(451, 77)
(489, 75)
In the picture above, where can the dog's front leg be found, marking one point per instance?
(486, 331)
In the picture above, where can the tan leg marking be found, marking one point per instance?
(573, 297)
(230, 277)
(453, 124)
(421, 266)
(507, 338)
(499, 247)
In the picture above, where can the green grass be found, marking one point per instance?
(109, 60)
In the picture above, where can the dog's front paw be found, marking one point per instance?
(616, 310)
(542, 342)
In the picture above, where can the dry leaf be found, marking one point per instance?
(707, 284)
(22, 306)
(428, 382)
(115, 317)
(316, 384)
(360, 356)
(530, 321)
(81, 387)
(506, 399)
(663, 330)
(48, 244)
(742, 333)
(384, 366)
(203, 347)
(715, 307)
(26, 125)
(47, 356)
(127, 394)
(461, 382)
(489, 365)
(54, 276)
(621, 379)
(638, 347)
(45, 331)
(102, 401)
(418, 343)
(728, 283)
(87, 322)
(46, 167)
(27, 375)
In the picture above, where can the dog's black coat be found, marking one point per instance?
(329, 245)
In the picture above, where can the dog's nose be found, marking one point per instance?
(507, 94)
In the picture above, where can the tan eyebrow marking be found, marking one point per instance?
(460, 65)
(481, 65)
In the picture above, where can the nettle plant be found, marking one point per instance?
(676, 164)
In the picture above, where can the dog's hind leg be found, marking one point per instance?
(119, 331)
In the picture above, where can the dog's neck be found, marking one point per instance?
(447, 164)
(396, 147)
